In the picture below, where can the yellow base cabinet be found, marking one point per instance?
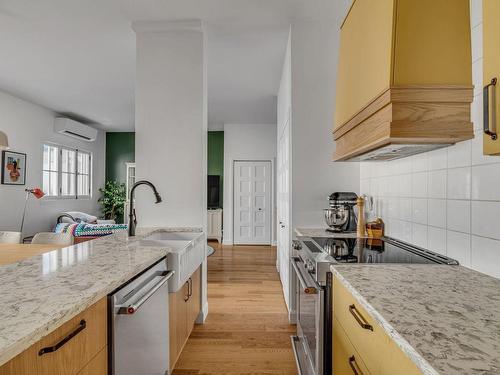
(491, 71)
(184, 307)
(360, 344)
(78, 343)
(404, 75)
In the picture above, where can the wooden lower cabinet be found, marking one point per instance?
(87, 333)
(360, 342)
(184, 308)
(98, 365)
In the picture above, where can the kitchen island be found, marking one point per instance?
(445, 319)
(42, 293)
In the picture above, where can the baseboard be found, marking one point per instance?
(202, 316)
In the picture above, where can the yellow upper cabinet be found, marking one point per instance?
(491, 70)
(404, 75)
(365, 48)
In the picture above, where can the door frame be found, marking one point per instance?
(272, 222)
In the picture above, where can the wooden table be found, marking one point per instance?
(11, 253)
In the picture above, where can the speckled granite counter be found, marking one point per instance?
(445, 318)
(41, 293)
(320, 232)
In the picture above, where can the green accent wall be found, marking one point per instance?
(120, 149)
(216, 157)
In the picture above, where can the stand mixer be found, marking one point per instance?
(340, 217)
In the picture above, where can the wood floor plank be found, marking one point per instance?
(247, 330)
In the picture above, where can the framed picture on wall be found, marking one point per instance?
(13, 168)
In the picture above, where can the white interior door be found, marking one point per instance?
(283, 204)
(252, 202)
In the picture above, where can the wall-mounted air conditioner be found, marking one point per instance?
(74, 129)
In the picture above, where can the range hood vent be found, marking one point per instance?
(397, 151)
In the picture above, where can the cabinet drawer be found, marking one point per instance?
(346, 360)
(366, 336)
(82, 338)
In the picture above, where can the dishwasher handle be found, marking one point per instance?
(132, 308)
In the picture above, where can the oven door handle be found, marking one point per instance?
(307, 289)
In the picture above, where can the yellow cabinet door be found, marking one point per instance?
(365, 62)
(346, 360)
(491, 70)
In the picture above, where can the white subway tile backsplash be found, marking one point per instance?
(458, 247)
(458, 215)
(486, 255)
(405, 209)
(438, 159)
(419, 163)
(437, 184)
(364, 186)
(405, 231)
(437, 213)
(419, 235)
(436, 238)
(405, 185)
(486, 182)
(419, 185)
(459, 155)
(459, 183)
(419, 210)
(484, 218)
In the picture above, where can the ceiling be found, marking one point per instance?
(77, 57)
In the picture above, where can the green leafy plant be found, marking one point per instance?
(112, 200)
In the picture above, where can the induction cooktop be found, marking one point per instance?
(376, 250)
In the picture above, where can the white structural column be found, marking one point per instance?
(171, 124)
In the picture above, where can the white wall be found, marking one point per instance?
(314, 58)
(171, 126)
(246, 142)
(28, 126)
(446, 200)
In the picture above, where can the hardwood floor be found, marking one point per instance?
(247, 330)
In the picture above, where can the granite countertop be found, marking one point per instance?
(41, 293)
(320, 232)
(445, 318)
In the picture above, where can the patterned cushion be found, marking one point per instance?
(89, 230)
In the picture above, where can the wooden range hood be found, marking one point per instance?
(405, 78)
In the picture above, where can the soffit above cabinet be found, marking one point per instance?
(405, 76)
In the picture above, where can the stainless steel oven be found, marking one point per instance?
(313, 321)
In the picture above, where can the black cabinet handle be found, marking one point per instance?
(489, 118)
(189, 292)
(190, 287)
(359, 318)
(60, 344)
(354, 366)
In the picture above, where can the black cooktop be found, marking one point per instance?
(377, 250)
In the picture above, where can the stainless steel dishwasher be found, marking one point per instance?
(138, 324)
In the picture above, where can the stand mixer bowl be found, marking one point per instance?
(336, 217)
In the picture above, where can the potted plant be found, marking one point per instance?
(112, 200)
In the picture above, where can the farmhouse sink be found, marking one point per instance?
(173, 236)
(187, 252)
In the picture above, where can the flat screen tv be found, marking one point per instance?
(213, 196)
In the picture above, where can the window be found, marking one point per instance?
(67, 172)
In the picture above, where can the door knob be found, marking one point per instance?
(260, 209)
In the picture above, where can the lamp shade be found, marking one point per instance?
(4, 141)
(37, 192)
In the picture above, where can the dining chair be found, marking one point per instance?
(51, 238)
(10, 237)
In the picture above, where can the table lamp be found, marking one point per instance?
(37, 193)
